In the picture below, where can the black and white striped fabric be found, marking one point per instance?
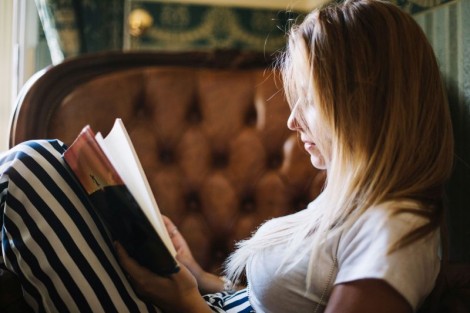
(54, 242)
(237, 302)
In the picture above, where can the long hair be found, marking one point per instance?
(374, 80)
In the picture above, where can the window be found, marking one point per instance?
(22, 53)
(6, 69)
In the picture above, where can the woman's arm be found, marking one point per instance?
(366, 296)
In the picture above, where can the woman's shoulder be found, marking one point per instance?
(382, 226)
(365, 251)
(394, 216)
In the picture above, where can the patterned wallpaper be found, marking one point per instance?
(416, 6)
(174, 26)
(74, 27)
(200, 27)
(448, 29)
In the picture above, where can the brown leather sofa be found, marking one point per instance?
(210, 131)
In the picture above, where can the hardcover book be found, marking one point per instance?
(113, 178)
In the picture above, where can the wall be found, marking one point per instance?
(416, 6)
(448, 29)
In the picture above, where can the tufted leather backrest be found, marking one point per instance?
(212, 139)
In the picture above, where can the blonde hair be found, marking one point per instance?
(373, 77)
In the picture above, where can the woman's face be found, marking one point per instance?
(312, 136)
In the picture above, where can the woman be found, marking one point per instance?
(368, 104)
(367, 101)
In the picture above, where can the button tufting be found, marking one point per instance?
(299, 203)
(219, 159)
(275, 161)
(251, 116)
(166, 156)
(193, 202)
(194, 115)
(248, 204)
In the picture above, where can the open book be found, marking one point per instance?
(112, 176)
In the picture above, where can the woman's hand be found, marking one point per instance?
(183, 253)
(207, 282)
(173, 293)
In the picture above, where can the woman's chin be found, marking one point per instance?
(318, 162)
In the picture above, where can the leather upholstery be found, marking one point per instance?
(213, 143)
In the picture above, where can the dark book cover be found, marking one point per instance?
(116, 206)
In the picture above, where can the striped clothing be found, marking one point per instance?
(54, 242)
(237, 302)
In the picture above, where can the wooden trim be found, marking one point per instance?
(296, 5)
(46, 90)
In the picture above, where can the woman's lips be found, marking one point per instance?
(308, 145)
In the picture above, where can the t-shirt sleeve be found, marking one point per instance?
(363, 253)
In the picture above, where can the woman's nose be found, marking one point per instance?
(292, 122)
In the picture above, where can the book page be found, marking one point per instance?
(119, 149)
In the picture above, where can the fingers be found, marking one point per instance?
(170, 227)
(133, 269)
(164, 291)
(168, 223)
(173, 231)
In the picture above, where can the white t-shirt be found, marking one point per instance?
(360, 252)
